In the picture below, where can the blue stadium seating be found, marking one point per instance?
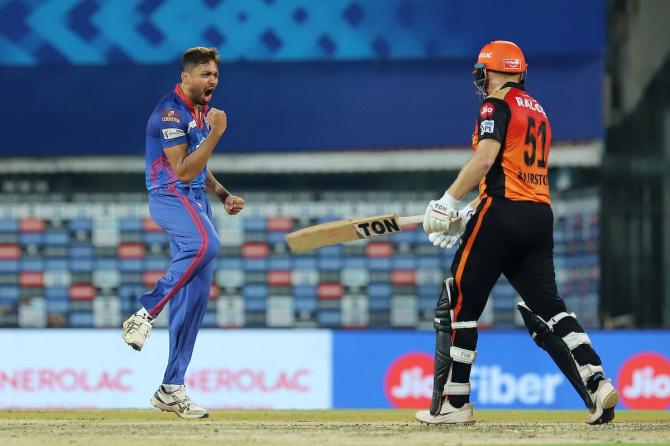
(90, 271)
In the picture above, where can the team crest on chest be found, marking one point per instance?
(170, 116)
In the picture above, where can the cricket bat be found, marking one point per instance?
(342, 231)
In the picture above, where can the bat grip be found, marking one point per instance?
(413, 220)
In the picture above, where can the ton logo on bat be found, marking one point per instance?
(377, 227)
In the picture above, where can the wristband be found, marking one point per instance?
(449, 200)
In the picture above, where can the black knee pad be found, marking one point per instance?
(557, 347)
(584, 353)
(443, 310)
(565, 325)
(466, 338)
(445, 352)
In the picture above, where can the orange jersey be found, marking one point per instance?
(519, 123)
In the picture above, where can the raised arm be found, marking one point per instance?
(187, 166)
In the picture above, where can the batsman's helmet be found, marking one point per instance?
(499, 56)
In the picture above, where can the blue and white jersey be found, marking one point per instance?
(174, 121)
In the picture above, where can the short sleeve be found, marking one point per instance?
(172, 128)
(492, 120)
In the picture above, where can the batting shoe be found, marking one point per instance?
(448, 415)
(177, 402)
(136, 329)
(605, 398)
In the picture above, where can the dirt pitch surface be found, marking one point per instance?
(322, 428)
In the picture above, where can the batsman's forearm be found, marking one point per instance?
(193, 164)
(469, 176)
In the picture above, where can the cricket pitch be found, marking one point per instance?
(324, 427)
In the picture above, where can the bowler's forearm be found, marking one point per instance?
(214, 187)
(193, 164)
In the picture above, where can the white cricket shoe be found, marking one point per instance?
(605, 399)
(136, 329)
(448, 414)
(177, 402)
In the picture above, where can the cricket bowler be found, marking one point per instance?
(182, 133)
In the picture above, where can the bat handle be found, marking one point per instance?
(413, 220)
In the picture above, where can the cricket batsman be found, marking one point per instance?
(507, 230)
(182, 133)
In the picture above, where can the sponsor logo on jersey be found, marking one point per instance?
(486, 126)
(191, 125)
(197, 146)
(170, 116)
(486, 110)
(511, 64)
(172, 133)
(377, 227)
(485, 55)
(530, 104)
(644, 381)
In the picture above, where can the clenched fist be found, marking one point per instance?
(233, 205)
(218, 121)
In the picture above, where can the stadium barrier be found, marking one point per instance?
(313, 369)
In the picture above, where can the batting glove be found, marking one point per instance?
(440, 213)
(443, 240)
(458, 226)
(450, 237)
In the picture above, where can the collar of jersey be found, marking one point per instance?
(191, 107)
(514, 85)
